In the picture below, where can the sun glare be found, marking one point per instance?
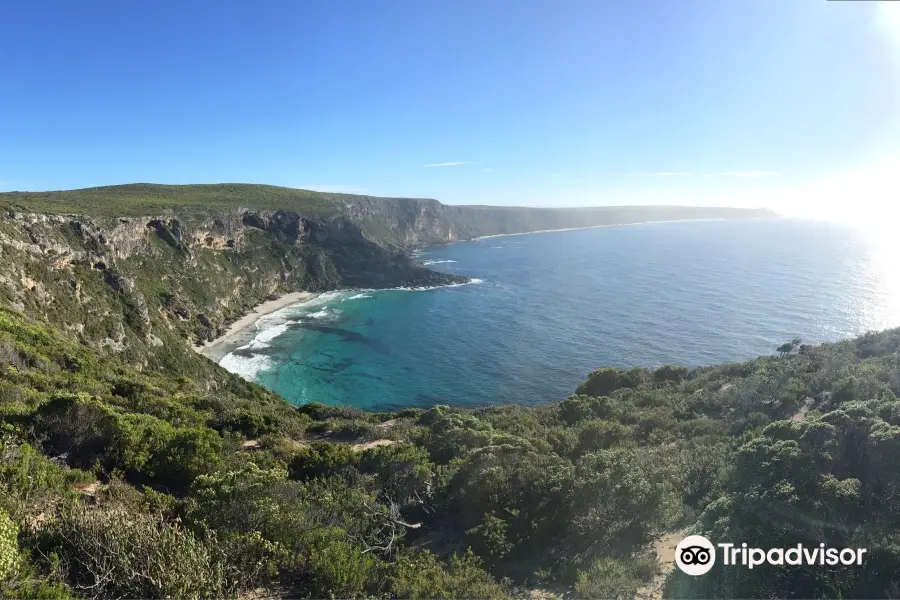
(888, 19)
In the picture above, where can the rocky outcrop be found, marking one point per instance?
(412, 222)
(143, 265)
(417, 222)
(143, 280)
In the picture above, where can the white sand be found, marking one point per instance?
(241, 325)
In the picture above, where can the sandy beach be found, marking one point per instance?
(239, 327)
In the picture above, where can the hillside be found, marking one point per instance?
(138, 269)
(120, 482)
(143, 285)
(131, 466)
(400, 221)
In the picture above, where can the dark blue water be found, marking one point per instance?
(552, 307)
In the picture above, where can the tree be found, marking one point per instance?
(603, 382)
(788, 347)
(669, 374)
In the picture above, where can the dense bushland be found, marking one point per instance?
(119, 482)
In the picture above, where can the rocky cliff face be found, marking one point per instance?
(404, 221)
(415, 222)
(135, 283)
(140, 267)
(218, 211)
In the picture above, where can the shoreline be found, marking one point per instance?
(235, 332)
(496, 235)
(416, 249)
(240, 327)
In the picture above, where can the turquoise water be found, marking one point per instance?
(548, 308)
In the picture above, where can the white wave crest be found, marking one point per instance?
(436, 262)
(323, 298)
(247, 364)
(356, 297)
(319, 314)
(247, 367)
(266, 335)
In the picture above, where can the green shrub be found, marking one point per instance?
(420, 576)
(29, 481)
(605, 381)
(599, 435)
(9, 546)
(579, 408)
(403, 471)
(332, 568)
(669, 374)
(115, 552)
(614, 578)
(489, 539)
(322, 458)
(188, 453)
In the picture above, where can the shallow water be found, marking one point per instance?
(548, 308)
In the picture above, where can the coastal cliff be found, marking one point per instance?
(139, 269)
(400, 222)
(134, 284)
(413, 222)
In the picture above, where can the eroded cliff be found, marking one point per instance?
(137, 283)
(135, 268)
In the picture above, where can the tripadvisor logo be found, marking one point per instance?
(696, 555)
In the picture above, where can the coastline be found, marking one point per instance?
(237, 334)
(496, 235)
(414, 250)
(237, 329)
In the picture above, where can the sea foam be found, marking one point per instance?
(247, 367)
(356, 297)
(266, 335)
(250, 360)
(472, 281)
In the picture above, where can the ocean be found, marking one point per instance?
(545, 309)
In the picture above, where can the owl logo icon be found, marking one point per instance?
(695, 555)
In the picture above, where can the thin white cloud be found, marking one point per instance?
(450, 164)
(660, 174)
(748, 174)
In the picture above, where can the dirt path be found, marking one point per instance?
(373, 444)
(88, 489)
(801, 414)
(665, 552)
(548, 593)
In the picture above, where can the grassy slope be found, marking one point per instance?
(151, 199)
(469, 220)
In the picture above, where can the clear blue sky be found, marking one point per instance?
(541, 103)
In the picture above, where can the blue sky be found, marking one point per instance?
(540, 103)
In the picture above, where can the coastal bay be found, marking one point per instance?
(237, 333)
(547, 309)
